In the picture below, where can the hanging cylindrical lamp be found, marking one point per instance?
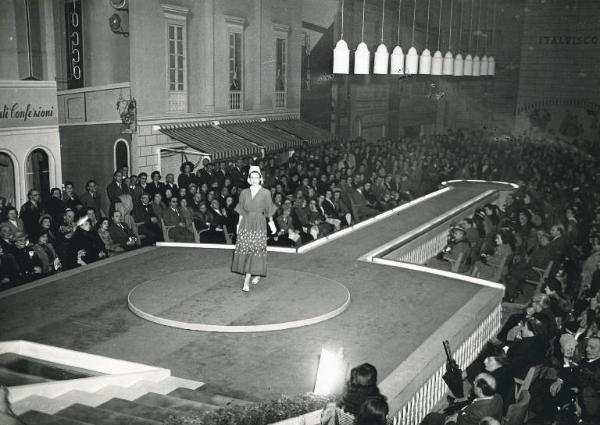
(341, 53)
(425, 59)
(412, 57)
(438, 59)
(448, 65)
(491, 61)
(382, 56)
(459, 62)
(476, 59)
(362, 56)
(397, 57)
(484, 59)
(468, 69)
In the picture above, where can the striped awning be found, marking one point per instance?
(271, 138)
(214, 141)
(309, 133)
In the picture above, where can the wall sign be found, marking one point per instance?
(18, 111)
(568, 39)
(74, 21)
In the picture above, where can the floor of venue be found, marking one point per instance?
(392, 310)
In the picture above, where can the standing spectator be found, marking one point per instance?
(70, 198)
(55, 205)
(3, 208)
(156, 186)
(186, 177)
(92, 199)
(115, 189)
(170, 183)
(31, 212)
(135, 189)
(15, 223)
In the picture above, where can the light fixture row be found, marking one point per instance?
(411, 64)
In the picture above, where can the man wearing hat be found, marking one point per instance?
(457, 250)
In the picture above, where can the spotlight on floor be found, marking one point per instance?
(331, 372)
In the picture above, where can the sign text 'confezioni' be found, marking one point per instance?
(568, 39)
(18, 111)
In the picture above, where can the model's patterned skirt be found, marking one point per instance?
(250, 255)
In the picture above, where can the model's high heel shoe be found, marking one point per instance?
(255, 280)
(246, 287)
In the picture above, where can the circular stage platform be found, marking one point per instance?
(212, 300)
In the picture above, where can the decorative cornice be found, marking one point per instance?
(172, 11)
(281, 28)
(236, 20)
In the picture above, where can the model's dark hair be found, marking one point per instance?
(364, 375)
(373, 411)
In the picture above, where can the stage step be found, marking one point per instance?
(176, 382)
(39, 403)
(181, 405)
(83, 397)
(208, 397)
(127, 407)
(33, 417)
(97, 416)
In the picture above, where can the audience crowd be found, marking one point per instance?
(547, 233)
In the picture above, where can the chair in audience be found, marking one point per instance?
(228, 236)
(523, 384)
(165, 230)
(543, 275)
(517, 412)
(195, 232)
(456, 264)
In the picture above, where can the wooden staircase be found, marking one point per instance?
(143, 403)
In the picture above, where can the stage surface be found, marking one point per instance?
(392, 311)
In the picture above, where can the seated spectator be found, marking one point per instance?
(457, 249)
(6, 238)
(47, 255)
(109, 245)
(522, 267)
(86, 246)
(147, 222)
(121, 234)
(91, 215)
(68, 225)
(9, 270)
(187, 213)
(47, 227)
(158, 206)
(486, 402)
(172, 217)
(488, 267)
(125, 207)
(231, 215)
(30, 266)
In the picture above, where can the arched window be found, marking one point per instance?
(121, 154)
(7, 178)
(37, 172)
